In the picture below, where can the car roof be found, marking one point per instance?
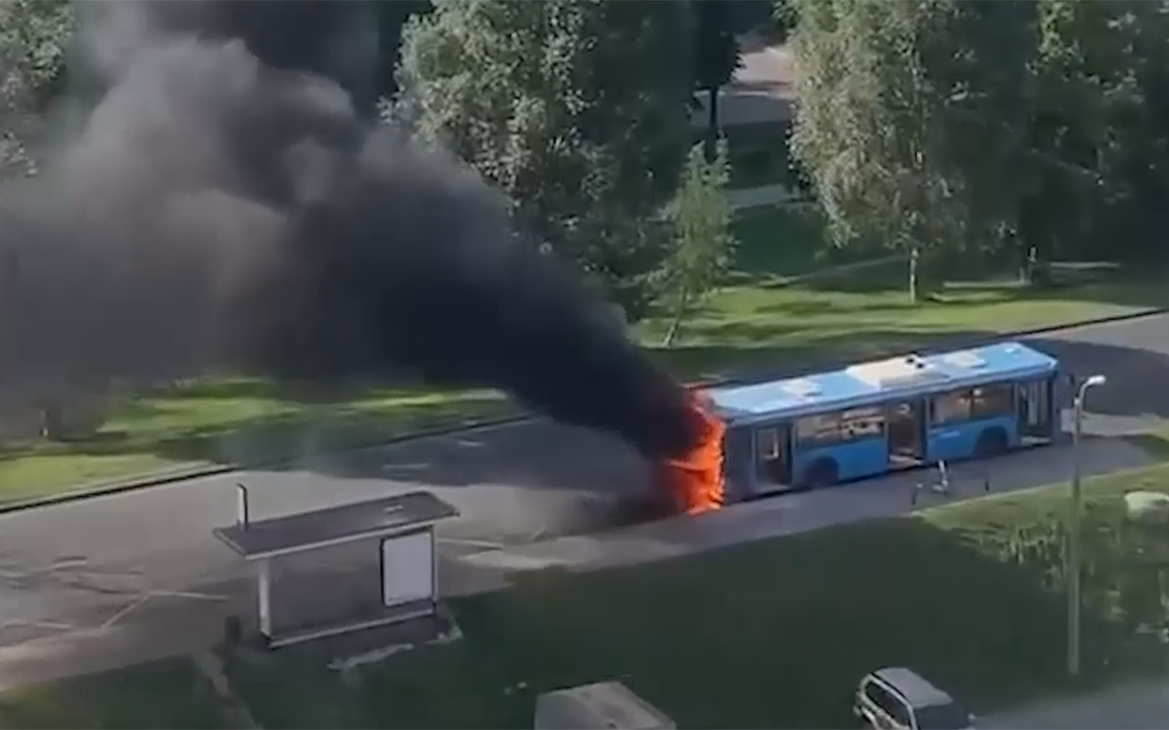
(916, 689)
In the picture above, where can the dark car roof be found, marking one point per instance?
(916, 689)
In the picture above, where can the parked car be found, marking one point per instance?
(896, 698)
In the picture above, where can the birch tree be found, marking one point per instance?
(701, 220)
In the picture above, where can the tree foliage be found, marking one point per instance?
(1100, 127)
(1036, 128)
(716, 48)
(391, 20)
(910, 119)
(700, 216)
(578, 110)
(34, 35)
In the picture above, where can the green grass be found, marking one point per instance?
(779, 243)
(164, 694)
(226, 421)
(792, 301)
(777, 633)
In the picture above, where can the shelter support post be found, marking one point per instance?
(265, 597)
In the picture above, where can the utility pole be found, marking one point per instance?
(1074, 557)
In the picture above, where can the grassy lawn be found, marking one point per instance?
(218, 422)
(793, 301)
(782, 243)
(777, 633)
(164, 694)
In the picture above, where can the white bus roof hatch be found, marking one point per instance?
(802, 387)
(898, 371)
(964, 359)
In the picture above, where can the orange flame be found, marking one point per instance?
(696, 479)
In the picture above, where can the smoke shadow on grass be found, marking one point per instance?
(769, 634)
(540, 456)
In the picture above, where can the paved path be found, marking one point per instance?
(802, 512)
(761, 91)
(760, 197)
(90, 564)
(1138, 706)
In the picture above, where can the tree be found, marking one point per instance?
(34, 35)
(1100, 129)
(749, 16)
(913, 121)
(868, 128)
(578, 110)
(1037, 128)
(784, 17)
(391, 19)
(717, 56)
(701, 218)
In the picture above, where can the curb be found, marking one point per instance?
(942, 346)
(178, 475)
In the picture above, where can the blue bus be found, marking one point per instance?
(876, 417)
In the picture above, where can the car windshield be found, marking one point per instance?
(942, 717)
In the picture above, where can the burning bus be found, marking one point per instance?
(872, 418)
(695, 482)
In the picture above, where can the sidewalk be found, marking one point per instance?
(157, 629)
(758, 197)
(1142, 705)
(770, 518)
(765, 195)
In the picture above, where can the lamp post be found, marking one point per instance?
(1074, 559)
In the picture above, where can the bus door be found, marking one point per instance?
(738, 463)
(773, 462)
(1036, 410)
(906, 432)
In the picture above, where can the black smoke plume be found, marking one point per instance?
(227, 204)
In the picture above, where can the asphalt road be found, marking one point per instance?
(761, 91)
(1141, 705)
(80, 565)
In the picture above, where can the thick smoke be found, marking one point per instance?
(227, 205)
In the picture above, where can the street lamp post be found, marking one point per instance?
(1074, 559)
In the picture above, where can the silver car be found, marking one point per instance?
(896, 698)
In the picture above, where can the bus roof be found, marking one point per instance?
(878, 381)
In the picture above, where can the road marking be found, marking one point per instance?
(188, 594)
(37, 624)
(67, 562)
(488, 544)
(160, 594)
(124, 612)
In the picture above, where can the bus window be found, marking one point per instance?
(819, 430)
(767, 443)
(991, 401)
(952, 407)
(825, 429)
(862, 423)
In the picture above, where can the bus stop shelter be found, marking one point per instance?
(341, 569)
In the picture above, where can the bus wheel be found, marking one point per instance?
(991, 442)
(822, 473)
